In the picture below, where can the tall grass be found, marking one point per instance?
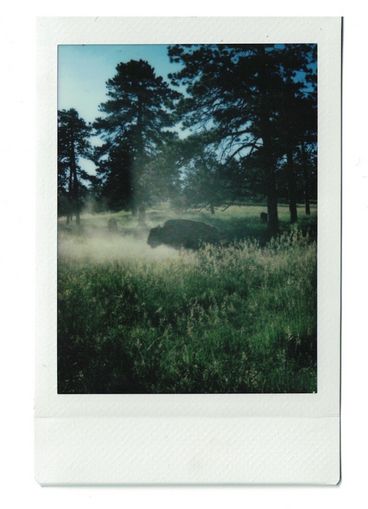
(240, 318)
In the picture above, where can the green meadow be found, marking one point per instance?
(239, 317)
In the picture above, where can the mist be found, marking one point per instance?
(103, 247)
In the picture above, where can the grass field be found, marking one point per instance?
(234, 318)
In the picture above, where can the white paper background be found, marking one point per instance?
(17, 271)
(315, 443)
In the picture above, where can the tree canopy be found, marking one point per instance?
(234, 122)
(245, 99)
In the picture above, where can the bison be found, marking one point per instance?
(180, 233)
(264, 217)
(112, 225)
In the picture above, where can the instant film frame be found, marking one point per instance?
(191, 439)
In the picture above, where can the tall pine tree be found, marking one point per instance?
(73, 144)
(134, 126)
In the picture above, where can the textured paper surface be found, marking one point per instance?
(187, 451)
(265, 438)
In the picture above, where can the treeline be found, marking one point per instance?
(236, 122)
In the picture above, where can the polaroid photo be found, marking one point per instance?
(189, 228)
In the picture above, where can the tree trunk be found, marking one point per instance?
(69, 215)
(133, 205)
(271, 189)
(77, 215)
(272, 213)
(142, 215)
(138, 166)
(265, 134)
(306, 181)
(291, 187)
(74, 181)
(76, 204)
(307, 205)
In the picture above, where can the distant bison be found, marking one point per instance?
(183, 233)
(112, 225)
(264, 217)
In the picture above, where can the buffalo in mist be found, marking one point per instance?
(112, 225)
(183, 233)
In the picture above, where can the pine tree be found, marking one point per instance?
(235, 94)
(73, 144)
(134, 127)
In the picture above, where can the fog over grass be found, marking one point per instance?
(94, 242)
(103, 247)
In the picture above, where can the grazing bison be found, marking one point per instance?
(112, 225)
(264, 217)
(183, 233)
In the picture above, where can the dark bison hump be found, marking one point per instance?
(185, 233)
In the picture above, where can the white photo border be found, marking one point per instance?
(185, 438)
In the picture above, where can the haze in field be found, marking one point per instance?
(99, 246)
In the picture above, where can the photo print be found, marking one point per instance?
(187, 218)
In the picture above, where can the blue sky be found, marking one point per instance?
(84, 69)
